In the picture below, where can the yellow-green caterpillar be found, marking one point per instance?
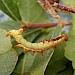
(36, 47)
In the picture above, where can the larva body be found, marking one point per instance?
(40, 46)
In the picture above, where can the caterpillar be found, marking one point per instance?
(62, 7)
(36, 47)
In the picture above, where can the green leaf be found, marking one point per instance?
(67, 71)
(70, 45)
(56, 67)
(8, 61)
(74, 72)
(32, 64)
(10, 8)
(5, 42)
(8, 56)
(9, 25)
(58, 61)
(30, 37)
(16, 1)
(35, 64)
(58, 54)
(31, 11)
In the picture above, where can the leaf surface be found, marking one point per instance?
(8, 61)
(9, 25)
(58, 61)
(31, 11)
(5, 42)
(70, 45)
(10, 8)
(67, 71)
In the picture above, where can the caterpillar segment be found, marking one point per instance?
(36, 47)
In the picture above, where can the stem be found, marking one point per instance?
(50, 10)
(61, 7)
(41, 25)
(53, 24)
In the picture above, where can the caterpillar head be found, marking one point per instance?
(14, 32)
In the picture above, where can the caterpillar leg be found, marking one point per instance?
(23, 47)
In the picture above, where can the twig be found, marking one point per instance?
(42, 25)
(39, 25)
(50, 10)
(62, 7)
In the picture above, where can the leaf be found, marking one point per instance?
(5, 42)
(56, 67)
(9, 25)
(16, 1)
(70, 45)
(33, 35)
(67, 71)
(58, 61)
(8, 61)
(74, 72)
(10, 8)
(31, 64)
(35, 64)
(58, 54)
(31, 11)
(8, 56)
